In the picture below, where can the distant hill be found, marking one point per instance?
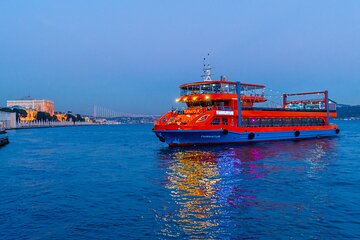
(348, 111)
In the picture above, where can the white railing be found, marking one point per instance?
(39, 124)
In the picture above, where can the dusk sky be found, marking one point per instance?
(130, 56)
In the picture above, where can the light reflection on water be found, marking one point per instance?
(235, 191)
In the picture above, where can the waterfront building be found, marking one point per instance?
(30, 115)
(33, 104)
(87, 119)
(61, 116)
(8, 119)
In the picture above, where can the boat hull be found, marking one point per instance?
(213, 137)
(4, 141)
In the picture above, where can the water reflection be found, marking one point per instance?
(222, 191)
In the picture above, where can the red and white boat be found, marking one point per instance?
(213, 115)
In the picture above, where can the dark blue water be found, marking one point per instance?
(120, 182)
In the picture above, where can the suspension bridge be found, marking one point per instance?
(102, 112)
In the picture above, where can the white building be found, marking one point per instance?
(34, 104)
(8, 119)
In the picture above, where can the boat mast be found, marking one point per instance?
(206, 71)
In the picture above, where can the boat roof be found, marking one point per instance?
(222, 81)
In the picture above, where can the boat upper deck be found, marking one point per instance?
(217, 87)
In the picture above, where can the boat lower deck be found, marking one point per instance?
(223, 136)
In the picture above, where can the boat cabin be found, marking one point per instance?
(220, 93)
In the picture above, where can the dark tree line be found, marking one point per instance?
(347, 111)
(74, 117)
(44, 116)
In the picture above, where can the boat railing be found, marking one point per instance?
(228, 108)
(243, 94)
(254, 95)
(287, 109)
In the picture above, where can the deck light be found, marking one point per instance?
(194, 98)
(207, 97)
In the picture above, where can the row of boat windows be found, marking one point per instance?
(208, 89)
(273, 122)
(220, 103)
(216, 121)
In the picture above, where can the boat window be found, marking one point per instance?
(287, 122)
(266, 122)
(224, 121)
(277, 122)
(215, 121)
(205, 88)
(225, 87)
(164, 119)
(320, 121)
(216, 88)
(232, 88)
(186, 91)
(196, 89)
(298, 121)
(253, 122)
(203, 118)
(195, 104)
(223, 105)
(170, 120)
(245, 122)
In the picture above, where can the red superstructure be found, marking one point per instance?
(213, 115)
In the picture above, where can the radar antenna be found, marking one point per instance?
(206, 70)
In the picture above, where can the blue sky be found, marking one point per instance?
(131, 56)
